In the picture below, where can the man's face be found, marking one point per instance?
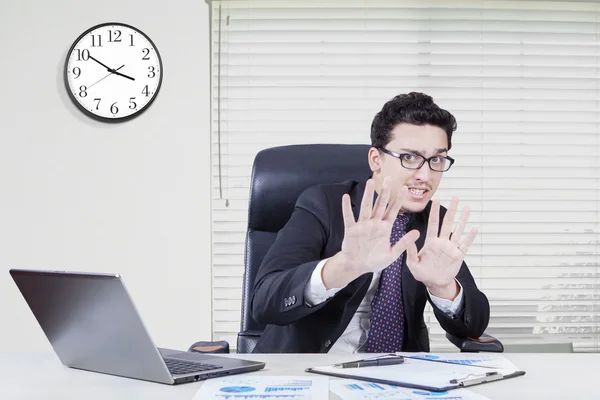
(427, 141)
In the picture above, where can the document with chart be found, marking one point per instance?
(431, 372)
(265, 387)
(490, 360)
(356, 390)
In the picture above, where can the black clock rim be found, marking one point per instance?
(88, 112)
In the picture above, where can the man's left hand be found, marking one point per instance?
(441, 257)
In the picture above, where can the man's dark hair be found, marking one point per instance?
(413, 108)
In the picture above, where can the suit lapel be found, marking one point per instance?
(356, 197)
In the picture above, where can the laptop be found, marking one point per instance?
(92, 324)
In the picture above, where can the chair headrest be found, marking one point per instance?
(281, 174)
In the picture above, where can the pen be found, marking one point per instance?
(372, 363)
(487, 377)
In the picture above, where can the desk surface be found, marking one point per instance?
(42, 376)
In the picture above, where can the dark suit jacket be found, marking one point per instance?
(314, 232)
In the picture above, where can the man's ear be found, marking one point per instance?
(374, 159)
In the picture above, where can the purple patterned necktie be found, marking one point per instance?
(387, 322)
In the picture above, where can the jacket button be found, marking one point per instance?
(327, 343)
(467, 318)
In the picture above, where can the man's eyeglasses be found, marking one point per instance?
(415, 161)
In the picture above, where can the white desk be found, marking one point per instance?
(42, 376)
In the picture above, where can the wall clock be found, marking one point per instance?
(113, 72)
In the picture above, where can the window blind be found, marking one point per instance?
(522, 79)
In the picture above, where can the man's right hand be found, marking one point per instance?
(366, 245)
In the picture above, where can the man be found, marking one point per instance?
(353, 268)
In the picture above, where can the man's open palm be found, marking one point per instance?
(366, 243)
(440, 258)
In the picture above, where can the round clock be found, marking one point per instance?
(113, 72)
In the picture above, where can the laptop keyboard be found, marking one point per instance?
(179, 367)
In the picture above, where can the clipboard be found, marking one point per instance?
(420, 373)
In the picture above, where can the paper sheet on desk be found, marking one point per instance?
(349, 389)
(265, 387)
(491, 360)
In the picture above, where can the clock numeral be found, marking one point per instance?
(94, 37)
(132, 104)
(98, 102)
(131, 40)
(151, 73)
(83, 55)
(82, 91)
(146, 54)
(114, 109)
(145, 91)
(117, 36)
(76, 72)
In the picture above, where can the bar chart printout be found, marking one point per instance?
(265, 387)
(359, 390)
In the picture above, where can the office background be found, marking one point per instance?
(162, 199)
(520, 76)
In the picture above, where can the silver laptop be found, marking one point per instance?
(93, 325)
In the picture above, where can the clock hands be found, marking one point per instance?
(112, 71)
(104, 65)
(123, 75)
(107, 75)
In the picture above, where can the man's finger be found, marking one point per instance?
(460, 226)
(366, 205)
(405, 242)
(412, 255)
(468, 241)
(382, 200)
(394, 208)
(434, 220)
(449, 219)
(347, 212)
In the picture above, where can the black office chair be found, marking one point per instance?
(279, 176)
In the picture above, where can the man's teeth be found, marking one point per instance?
(418, 192)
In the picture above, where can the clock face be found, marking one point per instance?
(113, 72)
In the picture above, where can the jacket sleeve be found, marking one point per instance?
(278, 295)
(474, 317)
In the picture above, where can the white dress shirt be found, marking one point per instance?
(355, 336)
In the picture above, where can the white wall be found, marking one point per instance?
(131, 198)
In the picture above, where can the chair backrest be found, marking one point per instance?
(279, 176)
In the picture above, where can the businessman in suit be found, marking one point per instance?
(356, 263)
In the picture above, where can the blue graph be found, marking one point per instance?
(283, 388)
(356, 386)
(463, 362)
(425, 393)
(237, 389)
(427, 357)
